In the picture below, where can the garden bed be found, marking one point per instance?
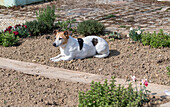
(125, 59)
(18, 89)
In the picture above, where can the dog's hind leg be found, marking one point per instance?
(102, 51)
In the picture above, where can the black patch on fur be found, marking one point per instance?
(94, 41)
(80, 41)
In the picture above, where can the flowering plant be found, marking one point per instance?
(18, 30)
(135, 34)
(144, 83)
(112, 95)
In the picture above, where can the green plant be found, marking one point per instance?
(135, 34)
(8, 39)
(19, 30)
(47, 16)
(109, 16)
(110, 95)
(168, 69)
(36, 28)
(156, 40)
(90, 27)
(65, 25)
(115, 35)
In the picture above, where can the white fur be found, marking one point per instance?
(71, 50)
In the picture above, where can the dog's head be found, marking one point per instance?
(61, 38)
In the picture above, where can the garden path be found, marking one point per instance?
(116, 16)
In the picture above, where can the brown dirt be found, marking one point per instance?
(154, 2)
(18, 90)
(126, 59)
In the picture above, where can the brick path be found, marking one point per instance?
(124, 15)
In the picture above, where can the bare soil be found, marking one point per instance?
(18, 90)
(125, 59)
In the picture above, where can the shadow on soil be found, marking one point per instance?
(114, 53)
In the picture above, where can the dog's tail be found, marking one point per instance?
(102, 55)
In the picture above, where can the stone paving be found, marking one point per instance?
(119, 17)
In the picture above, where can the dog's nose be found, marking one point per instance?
(54, 44)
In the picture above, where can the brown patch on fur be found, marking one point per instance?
(63, 35)
(55, 32)
(94, 41)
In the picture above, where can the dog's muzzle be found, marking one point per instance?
(54, 44)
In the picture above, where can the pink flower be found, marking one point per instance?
(15, 33)
(133, 78)
(145, 82)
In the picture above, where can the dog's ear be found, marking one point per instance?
(66, 34)
(55, 32)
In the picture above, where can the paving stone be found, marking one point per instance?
(165, 105)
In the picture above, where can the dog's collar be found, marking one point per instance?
(80, 41)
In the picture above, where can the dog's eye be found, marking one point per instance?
(60, 38)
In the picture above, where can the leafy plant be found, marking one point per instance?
(110, 95)
(156, 40)
(90, 27)
(47, 16)
(36, 28)
(115, 35)
(19, 30)
(135, 34)
(22, 30)
(8, 39)
(168, 69)
(65, 25)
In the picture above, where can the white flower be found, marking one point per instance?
(131, 28)
(139, 32)
(128, 35)
(133, 78)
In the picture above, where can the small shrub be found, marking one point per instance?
(135, 34)
(90, 27)
(8, 39)
(36, 28)
(47, 16)
(20, 30)
(156, 40)
(110, 95)
(115, 35)
(65, 25)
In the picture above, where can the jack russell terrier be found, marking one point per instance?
(80, 48)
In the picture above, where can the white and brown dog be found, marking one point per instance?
(80, 48)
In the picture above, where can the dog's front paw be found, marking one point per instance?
(55, 60)
(51, 59)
